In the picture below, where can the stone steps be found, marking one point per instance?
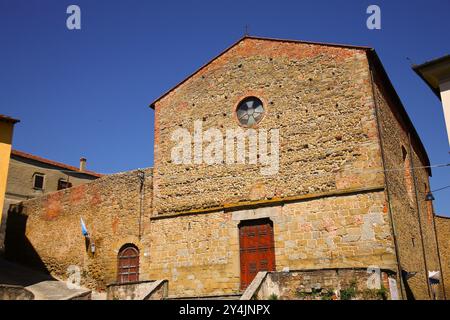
(42, 286)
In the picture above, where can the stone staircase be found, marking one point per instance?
(57, 290)
(19, 282)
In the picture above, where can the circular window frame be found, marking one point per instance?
(240, 101)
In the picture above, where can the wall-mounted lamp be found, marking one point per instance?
(429, 197)
(92, 247)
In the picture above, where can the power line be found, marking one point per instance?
(441, 189)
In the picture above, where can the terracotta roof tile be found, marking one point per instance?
(54, 163)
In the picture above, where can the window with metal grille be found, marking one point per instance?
(38, 181)
(128, 264)
(250, 111)
(64, 184)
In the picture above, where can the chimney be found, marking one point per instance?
(82, 164)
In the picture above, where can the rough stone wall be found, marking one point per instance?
(318, 96)
(427, 219)
(46, 231)
(11, 292)
(348, 231)
(20, 183)
(325, 284)
(199, 253)
(443, 232)
(402, 192)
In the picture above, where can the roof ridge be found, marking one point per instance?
(54, 163)
(333, 44)
(152, 105)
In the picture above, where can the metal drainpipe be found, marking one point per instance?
(418, 215)
(141, 176)
(383, 160)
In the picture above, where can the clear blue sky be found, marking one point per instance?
(86, 92)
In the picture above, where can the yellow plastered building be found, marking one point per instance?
(6, 134)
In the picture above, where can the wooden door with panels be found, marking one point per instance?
(257, 249)
(128, 264)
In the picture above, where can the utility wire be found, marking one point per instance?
(441, 189)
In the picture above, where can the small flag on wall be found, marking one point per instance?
(83, 228)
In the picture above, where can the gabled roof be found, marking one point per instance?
(152, 105)
(372, 56)
(4, 118)
(25, 155)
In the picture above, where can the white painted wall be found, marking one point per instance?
(445, 97)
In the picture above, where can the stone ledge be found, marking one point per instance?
(259, 203)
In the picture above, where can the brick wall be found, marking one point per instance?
(46, 231)
(443, 232)
(412, 220)
(21, 178)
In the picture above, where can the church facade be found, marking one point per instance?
(277, 155)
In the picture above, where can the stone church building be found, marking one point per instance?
(348, 193)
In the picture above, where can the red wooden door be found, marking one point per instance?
(257, 249)
(128, 270)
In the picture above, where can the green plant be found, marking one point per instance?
(375, 294)
(300, 294)
(307, 295)
(350, 292)
(315, 294)
(273, 296)
(328, 295)
(382, 293)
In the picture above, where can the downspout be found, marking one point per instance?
(383, 160)
(141, 176)
(418, 215)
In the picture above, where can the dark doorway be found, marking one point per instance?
(128, 264)
(257, 249)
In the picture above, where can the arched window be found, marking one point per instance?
(128, 264)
